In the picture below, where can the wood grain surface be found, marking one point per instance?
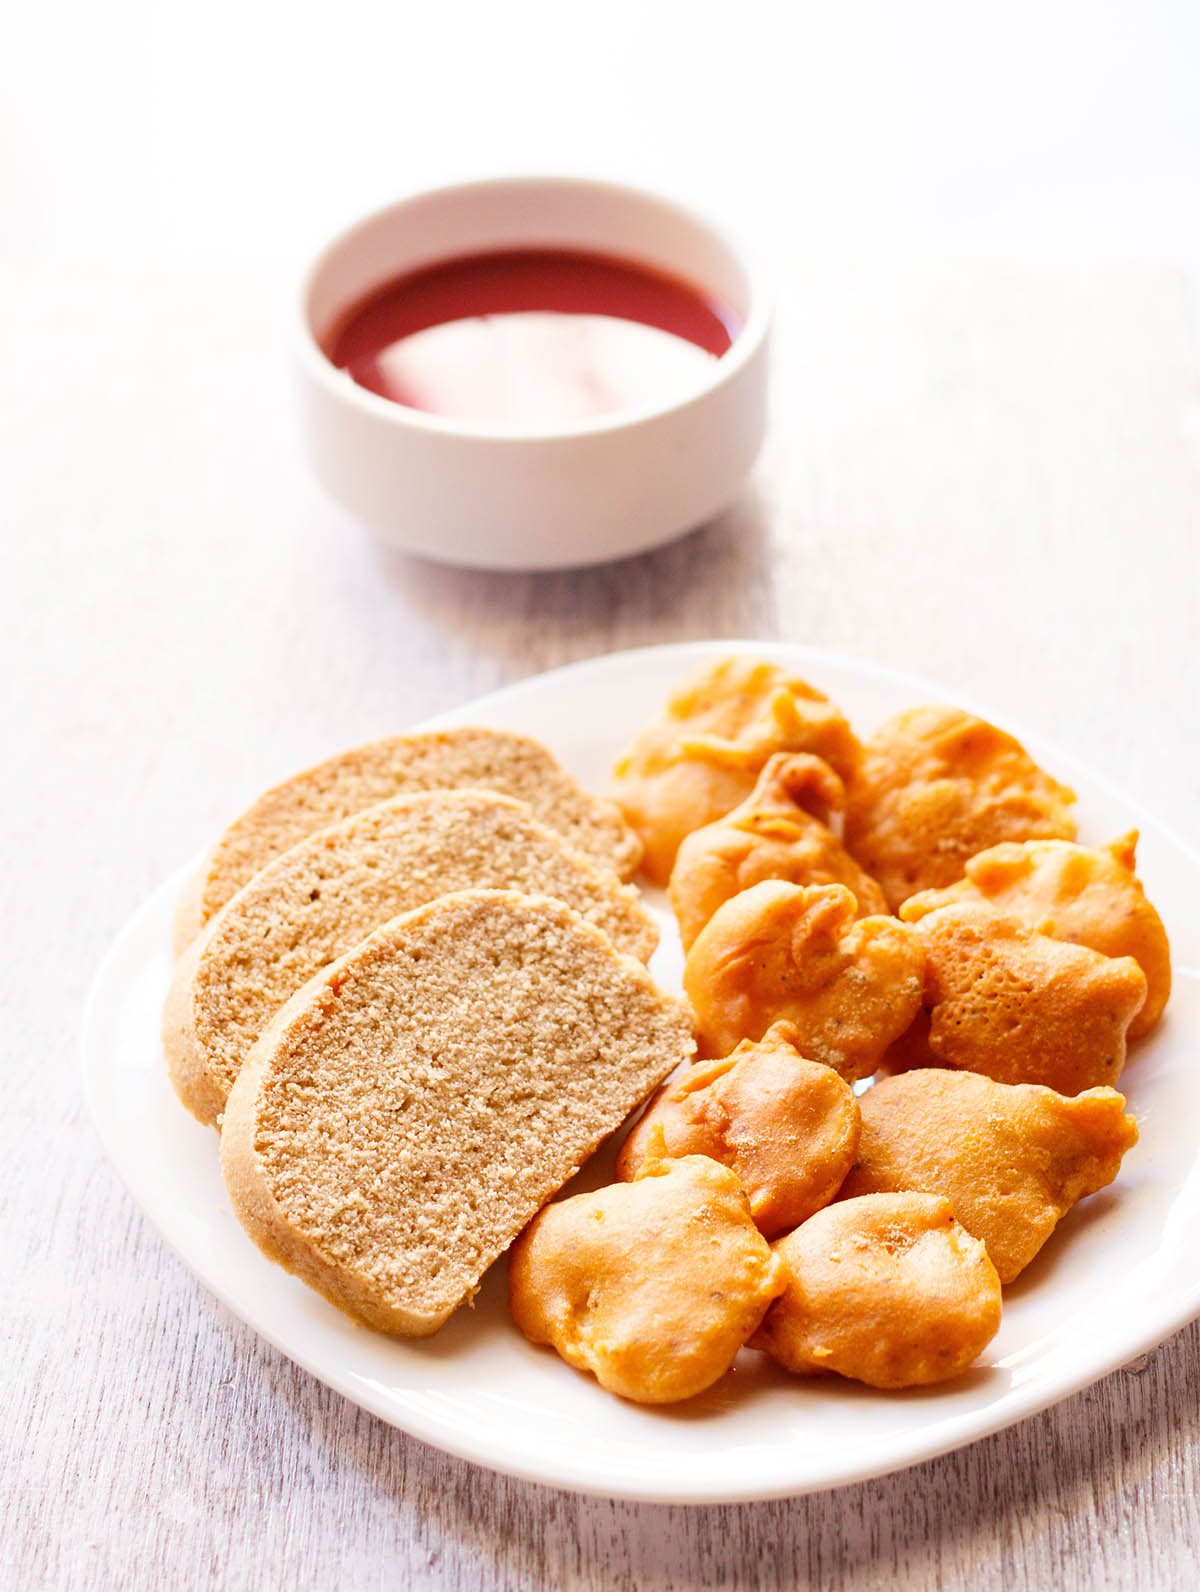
(988, 476)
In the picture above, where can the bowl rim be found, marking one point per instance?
(745, 347)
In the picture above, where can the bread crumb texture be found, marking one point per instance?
(414, 1107)
(514, 765)
(318, 900)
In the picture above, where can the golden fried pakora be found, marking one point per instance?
(704, 754)
(1010, 1003)
(887, 1289)
(937, 785)
(850, 985)
(1091, 896)
(652, 1286)
(786, 1125)
(1012, 1159)
(781, 831)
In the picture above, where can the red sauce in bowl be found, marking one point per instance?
(532, 336)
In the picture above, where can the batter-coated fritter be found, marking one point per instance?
(851, 986)
(938, 785)
(888, 1289)
(1090, 896)
(703, 756)
(1012, 1159)
(652, 1286)
(781, 831)
(1017, 1006)
(786, 1125)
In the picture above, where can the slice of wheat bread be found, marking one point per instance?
(499, 760)
(318, 900)
(414, 1105)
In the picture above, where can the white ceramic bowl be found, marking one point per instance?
(507, 498)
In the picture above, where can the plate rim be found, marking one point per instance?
(1029, 1399)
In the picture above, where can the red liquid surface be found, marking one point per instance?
(532, 336)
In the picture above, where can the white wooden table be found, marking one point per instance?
(985, 472)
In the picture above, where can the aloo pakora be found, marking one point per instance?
(704, 754)
(652, 1286)
(1012, 1159)
(887, 1289)
(849, 985)
(1003, 1000)
(1091, 896)
(937, 785)
(781, 831)
(786, 1125)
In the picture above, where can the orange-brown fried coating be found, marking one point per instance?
(936, 786)
(849, 985)
(888, 1289)
(786, 1125)
(652, 1286)
(781, 831)
(1012, 1159)
(703, 755)
(1017, 1006)
(1090, 896)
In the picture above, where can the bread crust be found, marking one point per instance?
(186, 1065)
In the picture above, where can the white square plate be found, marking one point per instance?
(1121, 1272)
